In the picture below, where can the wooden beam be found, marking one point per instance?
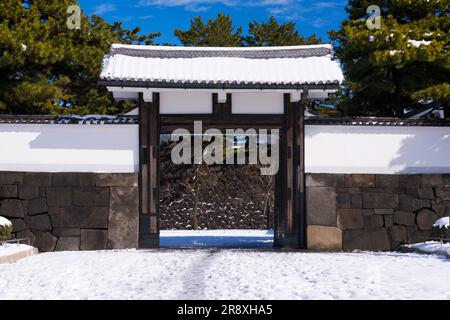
(172, 122)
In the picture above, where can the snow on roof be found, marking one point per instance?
(295, 65)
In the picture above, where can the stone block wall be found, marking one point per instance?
(230, 196)
(72, 211)
(373, 212)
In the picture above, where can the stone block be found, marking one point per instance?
(379, 200)
(8, 191)
(360, 180)
(404, 218)
(27, 234)
(353, 191)
(410, 191)
(90, 196)
(443, 193)
(37, 206)
(380, 190)
(28, 192)
(11, 178)
(399, 234)
(68, 244)
(46, 242)
(123, 227)
(53, 210)
(431, 180)
(374, 221)
(425, 193)
(84, 217)
(54, 219)
(321, 206)
(93, 239)
(324, 238)
(426, 218)
(411, 204)
(43, 192)
(66, 232)
(73, 179)
(59, 196)
(348, 219)
(387, 181)
(37, 179)
(372, 240)
(384, 211)
(124, 196)
(324, 180)
(18, 225)
(356, 201)
(40, 223)
(344, 201)
(116, 180)
(409, 181)
(440, 209)
(11, 208)
(446, 178)
(388, 220)
(421, 236)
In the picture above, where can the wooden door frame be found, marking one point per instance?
(290, 208)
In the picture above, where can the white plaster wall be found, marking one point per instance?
(388, 150)
(69, 148)
(329, 149)
(256, 102)
(185, 102)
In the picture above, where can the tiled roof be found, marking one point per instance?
(374, 121)
(122, 119)
(211, 52)
(44, 119)
(275, 66)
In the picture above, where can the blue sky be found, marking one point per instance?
(166, 15)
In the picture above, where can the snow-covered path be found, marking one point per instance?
(225, 274)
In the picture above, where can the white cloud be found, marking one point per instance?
(203, 5)
(146, 17)
(328, 4)
(104, 8)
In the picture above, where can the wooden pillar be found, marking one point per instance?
(149, 131)
(290, 223)
(300, 168)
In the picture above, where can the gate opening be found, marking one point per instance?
(218, 205)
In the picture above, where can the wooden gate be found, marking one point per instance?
(290, 212)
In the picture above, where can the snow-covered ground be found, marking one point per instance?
(431, 247)
(217, 238)
(8, 249)
(225, 274)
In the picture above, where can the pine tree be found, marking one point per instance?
(407, 59)
(272, 33)
(218, 32)
(47, 68)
